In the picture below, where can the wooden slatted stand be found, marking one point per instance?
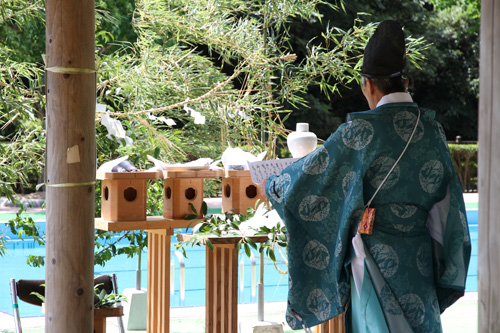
(120, 214)
(160, 230)
(181, 188)
(159, 280)
(221, 300)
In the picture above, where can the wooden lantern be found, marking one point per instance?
(179, 193)
(124, 195)
(239, 192)
(183, 187)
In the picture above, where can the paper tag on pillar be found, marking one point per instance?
(366, 223)
(73, 155)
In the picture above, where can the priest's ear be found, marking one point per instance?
(367, 87)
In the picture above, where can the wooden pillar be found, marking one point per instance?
(70, 165)
(489, 168)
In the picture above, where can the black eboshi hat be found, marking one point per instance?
(385, 53)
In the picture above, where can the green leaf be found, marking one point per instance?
(40, 296)
(156, 152)
(206, 227)
(190, 217)
(251, 242)
(208, 243)
(250, 211)
(193, 209)
(204, 208)
(271, 255)
(102, 294)
(247, 250)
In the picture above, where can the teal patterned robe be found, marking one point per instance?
(418, 254)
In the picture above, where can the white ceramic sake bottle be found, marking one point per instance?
(301, 142)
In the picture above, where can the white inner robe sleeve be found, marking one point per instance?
(358, 262)
(437, 218)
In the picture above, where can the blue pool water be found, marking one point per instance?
(472, 218)
(13, 265)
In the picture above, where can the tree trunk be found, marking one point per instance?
(70, 165)
(489, 168)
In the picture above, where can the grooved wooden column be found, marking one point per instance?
(489, 168)
(158, 313)
(222, 289)
(70, 165)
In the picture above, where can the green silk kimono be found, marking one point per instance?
(415, 261)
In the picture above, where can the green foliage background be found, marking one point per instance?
(251, 68)
(447, 80)
(464, 157)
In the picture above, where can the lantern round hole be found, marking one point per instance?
(251, 191)
(130, 194)
(227, 191)
(190, 193)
